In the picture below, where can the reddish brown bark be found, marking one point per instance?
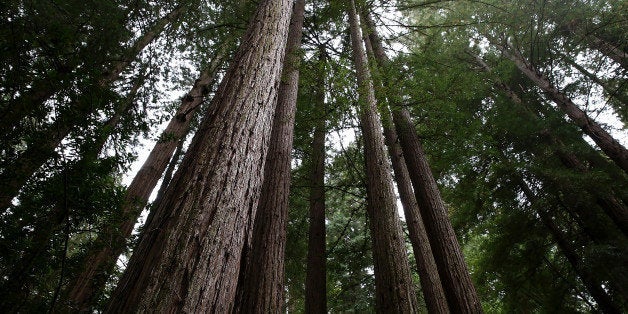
(609, 145)
(261, 286)
(188, 258)
(461, 294)
(433, 292)
(393, 284)
(316, 275)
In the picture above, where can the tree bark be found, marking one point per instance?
(188, 258)
(452, 269)
(433, 292)
(101, 259)
(316, 275)
(261, 288)
(45, 142)
(609, 145)
(393, 284)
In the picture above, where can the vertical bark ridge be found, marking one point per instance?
(189, 256)
(261, 288)
(393, 284)
(433, 292)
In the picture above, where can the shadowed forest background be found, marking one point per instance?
(311, 156)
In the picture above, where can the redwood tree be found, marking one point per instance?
(393, 283)
(189, 256)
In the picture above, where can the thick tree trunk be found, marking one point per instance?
(316, 275)
(604, 301)
(188, 258)
(45, 142)
(433, 292)
(101, 259)
(261, 288)
(393, 284)
(609, 145)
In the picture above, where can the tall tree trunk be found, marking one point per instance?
(433, 292)
(609, 145)
(316, 275)
(188, 258)
(45, 142)
(452, 269)
(261, 289)
(601, 297)
(393, 283)
(101, 259)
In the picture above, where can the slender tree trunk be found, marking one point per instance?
(433, 292)
(188, 259)
(609, 145)
(261, 289)
(101, 259)
(452, 269)
(316, 275)
(393, 283)
(45, 142)
(601, 297)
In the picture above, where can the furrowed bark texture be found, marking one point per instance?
(609, 145)
(393, 284)
(100, 260)
(316, 275)
(454, 275)
(261, 289)
(188, 259)
(433, 292)
(48, 139)
(604, 301)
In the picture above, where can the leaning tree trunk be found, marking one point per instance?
(452, 269)
(594, 42)
(609, 145)
(433, 292)
(393, 283)
(101, 259)
(45, 142)
(261, 285)
(188, 258)
(316, 275)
